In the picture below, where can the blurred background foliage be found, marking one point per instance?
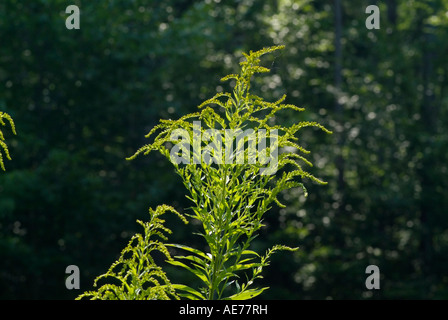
(82, 101)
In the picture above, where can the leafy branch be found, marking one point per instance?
(3, 144)
(135, 275)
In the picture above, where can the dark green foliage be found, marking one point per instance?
(82, 100)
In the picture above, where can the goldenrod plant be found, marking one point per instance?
(135, 275)
(4, 116)
(234, 163)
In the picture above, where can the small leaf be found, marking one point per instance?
(191, 293)
(187, 248)
(196, 272)
(246, 294)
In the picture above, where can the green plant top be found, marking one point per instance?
(234, 164)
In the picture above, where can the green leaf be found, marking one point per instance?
(246, 294)
(250, 252)
(192, 250)
(196, 272)
(240, 266)
(201, 264)
(191, 293)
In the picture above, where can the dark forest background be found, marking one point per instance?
(82, 101)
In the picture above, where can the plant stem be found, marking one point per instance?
(219, 234)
